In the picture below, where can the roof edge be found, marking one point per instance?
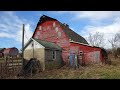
(83, 44)
(42, 20)
(47, 42)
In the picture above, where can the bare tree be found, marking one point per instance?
(117, 37)
(96, 39)
(112, 42)
(115, 43)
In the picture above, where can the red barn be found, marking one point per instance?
(51, 30)
(12, 52)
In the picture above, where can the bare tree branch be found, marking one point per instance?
(115, 41)
(96, 39)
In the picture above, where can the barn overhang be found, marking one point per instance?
(44, 44)
(71, 41)
(49, 45)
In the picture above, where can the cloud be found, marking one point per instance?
(11, 26)
(108, 30)
(2, 34)
(104, 22)
(62, 12)
(27, 35)
(92, 15)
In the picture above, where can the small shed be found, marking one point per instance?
(46, 52)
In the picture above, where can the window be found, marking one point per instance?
(59, 34)
(38, 35)
(54, 24)
(53, 55)
(32, 44)
(40, 27)
(56, 29)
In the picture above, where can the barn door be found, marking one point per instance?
(97, 56)
(81, 58)
(72, 56)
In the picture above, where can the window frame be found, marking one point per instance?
(53, 54)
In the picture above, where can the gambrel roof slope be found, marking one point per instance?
(70, 33)
(73, 35)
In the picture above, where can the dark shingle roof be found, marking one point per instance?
(45, 18)
(73, 35)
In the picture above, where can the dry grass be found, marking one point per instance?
(88, 72)
(1, 59)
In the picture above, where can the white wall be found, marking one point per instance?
(39, 53)
(36, 45)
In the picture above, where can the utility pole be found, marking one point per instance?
(33, 49)
(23, 61)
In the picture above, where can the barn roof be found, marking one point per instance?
(73, 35)
(45, 18)
(49, 45)
(70, 33)
(46, 44)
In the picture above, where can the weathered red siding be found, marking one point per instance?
(89, 51)
(11, 52)
(53, 32)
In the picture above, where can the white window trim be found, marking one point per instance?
(54, 24)
(56, 29)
